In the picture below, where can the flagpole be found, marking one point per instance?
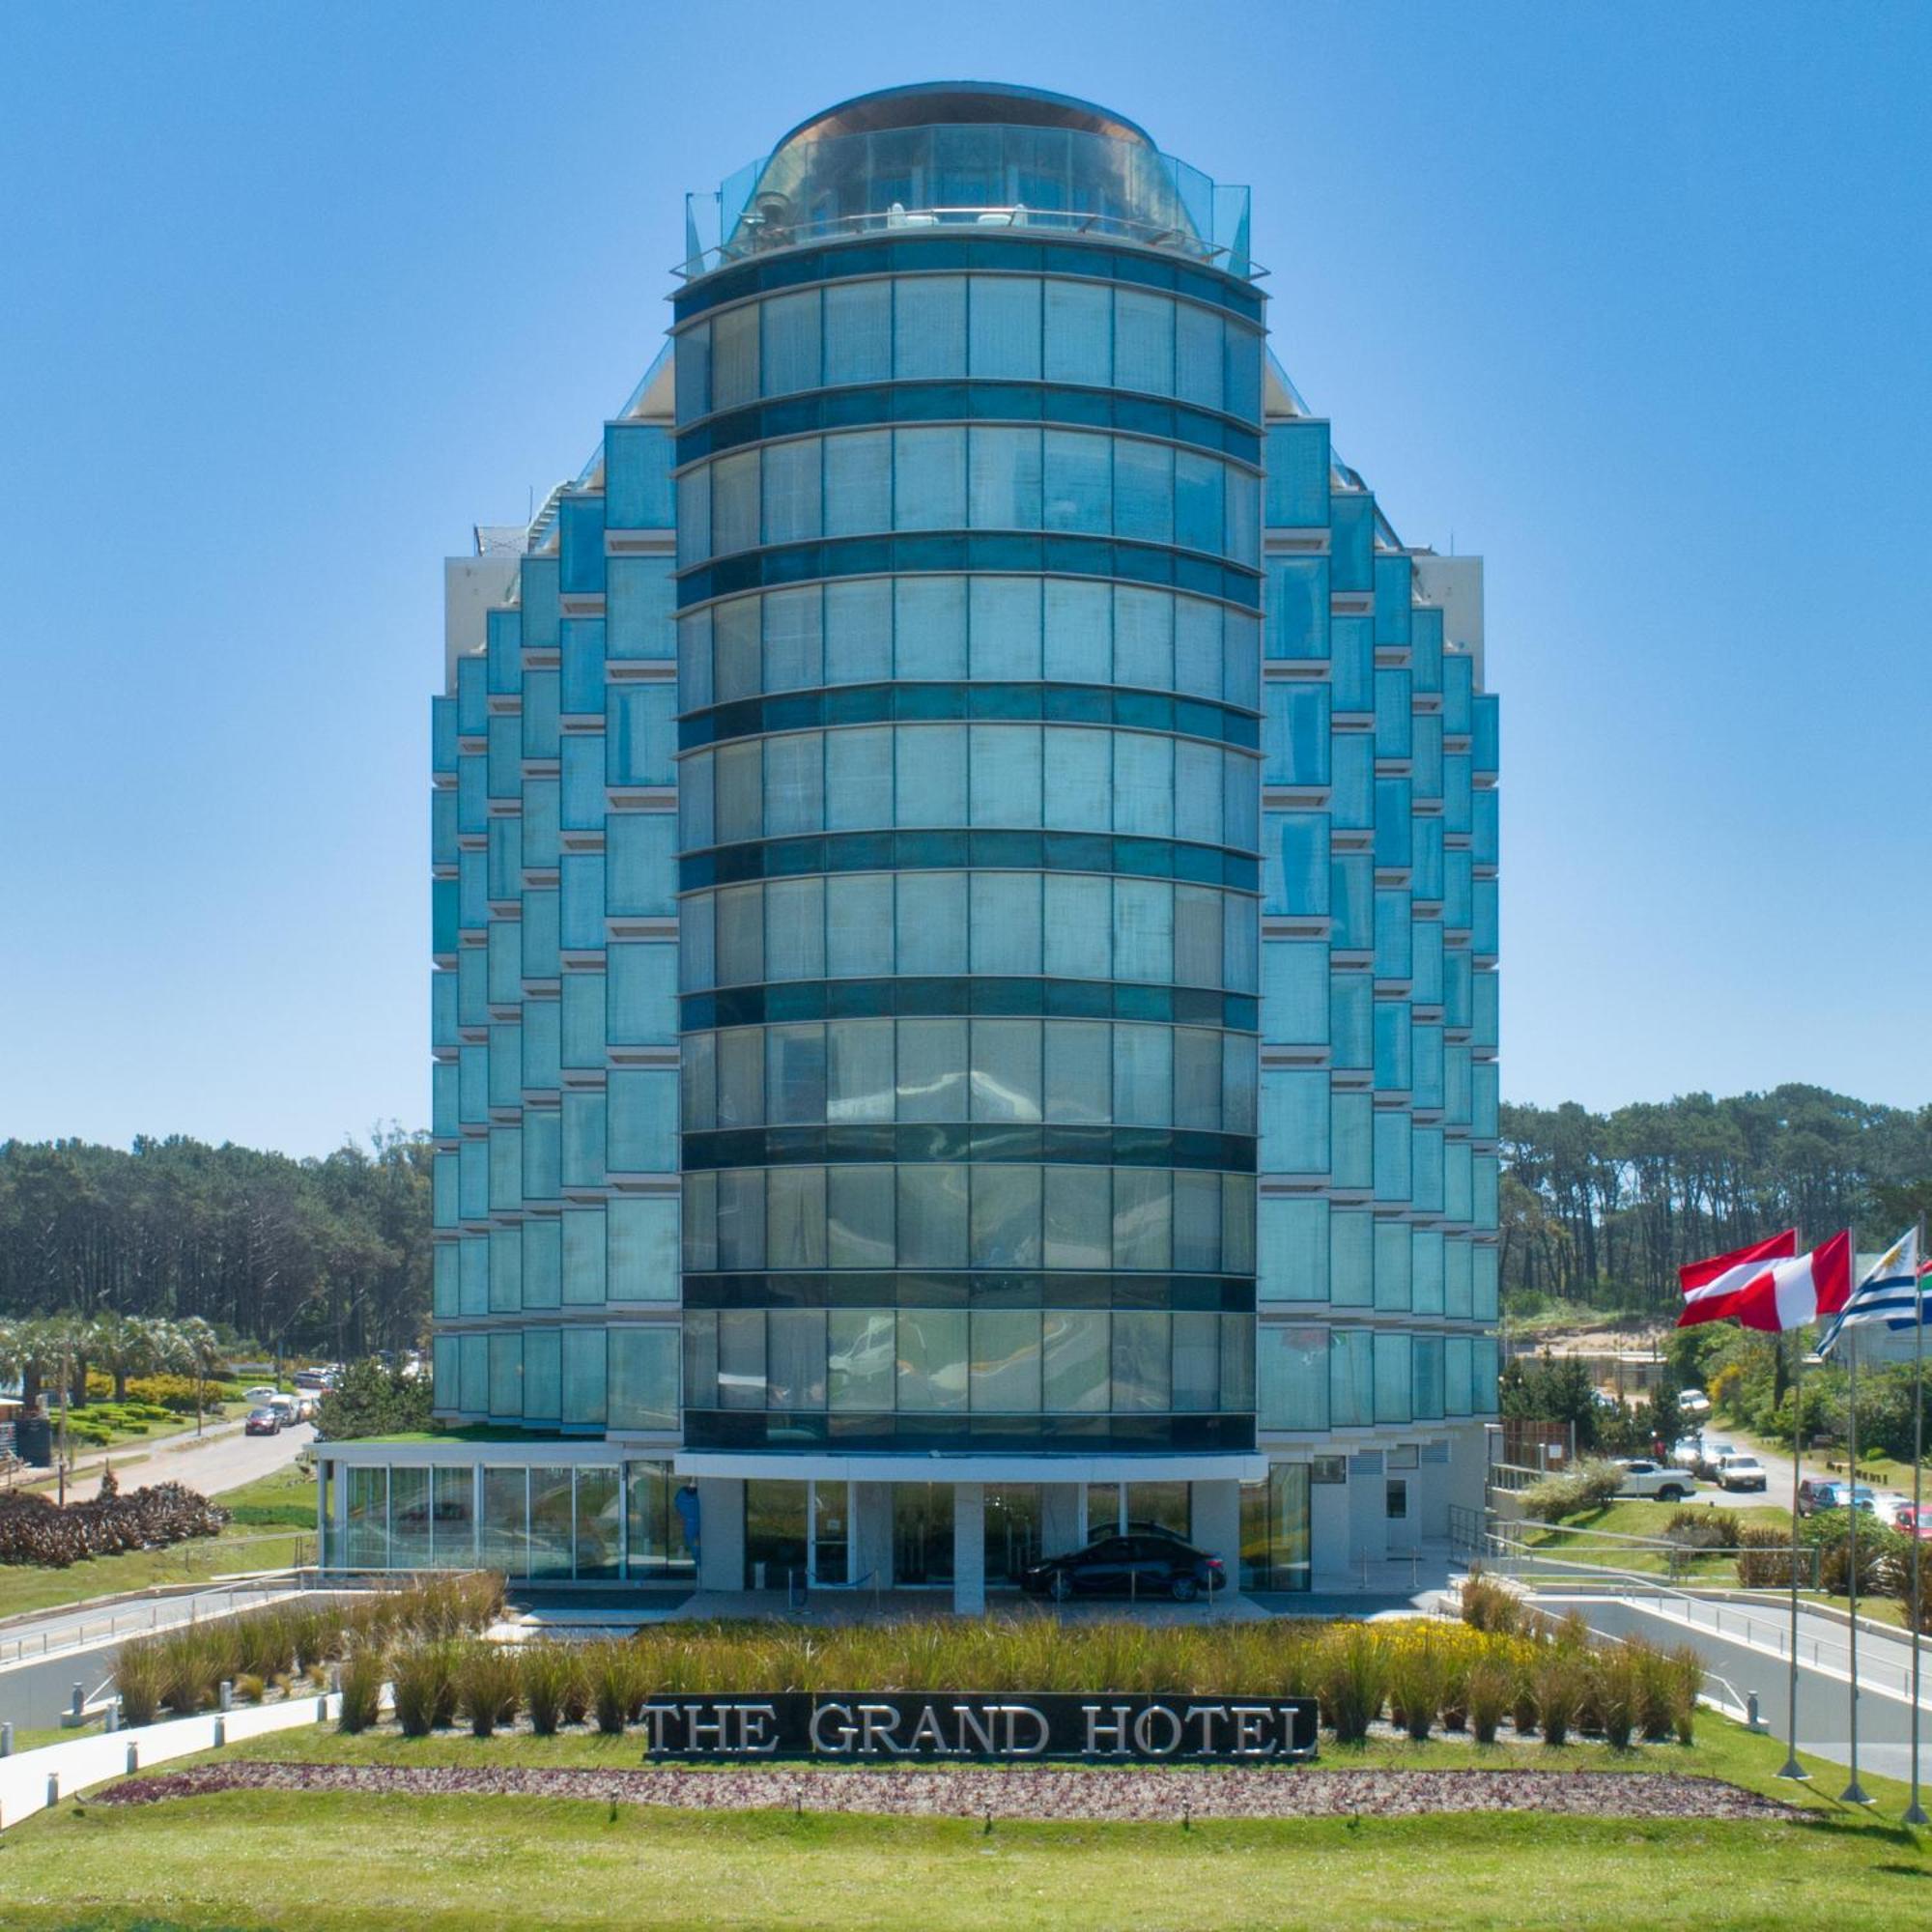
(1853, 1793)
(1915, 1812)
(1792, 1768)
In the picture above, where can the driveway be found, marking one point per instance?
(223, 1459)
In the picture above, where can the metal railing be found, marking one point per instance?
(758, 237)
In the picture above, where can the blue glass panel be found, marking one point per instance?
(644, 1368)
(504, 631)
(641, 994)
(543, 1262)
(1293, 1249)
(1458, 670)
(1351, 1248)
(1392, 1153)
(1351, 1020)
(1294, 992)
(582, 1019)
(1483, 1008)
(582, 1138)
(1295, 876)
(1391, 1264)
(643, 1257)
(582, 790)
(1426, 1271)
(1351, 899)
(540, 935)
(443, 734)
(1352, 524)
(1393, 574)
(581, 919)
(505, 769)
(1425, 1056)
(583, 1254)
(640, 735)
(540, 609)
(1393, 736)
(1394, 952)
(1425, 646)
(1291, 1377)
(543, 1155)
(642, 1132)
(1353, 655)
(506, 1170)
(1294, 734)
(1297, 607)
(1294, 1120)
(540, 714)
(579, 523)
(1393, 825)
(473, 697)
(444, 925)
(472, 1293)
(505, 1078)
(543, 1372)
(581, 691)
(1484, 738)
(1297, 475)
(1353, 766)
(1426, 754)
(1457, 1276)
(1392, 1046)
(443, 1021)
(1352, 1377)
(1394, 1378)
(583, 1379)
(641, 863)
(638, 492)
(639, 611)
(1426, 1170)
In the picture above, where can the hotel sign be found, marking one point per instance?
(876, 1727)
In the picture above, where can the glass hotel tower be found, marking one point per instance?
(965, 921)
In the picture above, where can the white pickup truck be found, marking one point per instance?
(1656, 1480)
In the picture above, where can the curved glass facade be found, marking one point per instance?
(921, 1209)
(965, 914)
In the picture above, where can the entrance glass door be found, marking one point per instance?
(776, 1516)
(1013, 1531)
(921, 1534)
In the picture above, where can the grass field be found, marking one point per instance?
(353, 1863)
(1572, 1538)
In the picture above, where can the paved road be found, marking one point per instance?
(222, 1459)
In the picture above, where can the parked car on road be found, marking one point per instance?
(1686, 1453)
(1818, 1492)
(262, 1421)
(1140, 1565)
(1889, 1505)
(1693, 1403)
(1741, 1472)
(1711, 1456)
(1656, 1480)
(260, 1394)
(1915, 1519)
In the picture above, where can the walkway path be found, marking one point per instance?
(221, 1459)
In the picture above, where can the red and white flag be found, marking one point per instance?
(1770, 1285)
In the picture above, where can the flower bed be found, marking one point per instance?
(1138, 1794)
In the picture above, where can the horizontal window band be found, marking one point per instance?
(1076, 1435)
(917, 1143)
(953, 851)
(934, 252)
(963, 997)
(1019, 552)
(1125, 413)
(954, 700)
(988, 1288)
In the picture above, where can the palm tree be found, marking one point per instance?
(195, 1346)
(125, 1346)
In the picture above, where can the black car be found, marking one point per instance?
(1152, 1563)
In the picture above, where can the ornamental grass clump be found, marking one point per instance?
(361, 1690)
(547, 1672)
(1687, 1685)
(1559, 1682)
(422, 1676)
(1352, 1681)
(140, 1677)
(1489, 1605)
(619, 1682)
(1615, 1694)
(1418, 1677)
(1490, 1687)
(489, 1686)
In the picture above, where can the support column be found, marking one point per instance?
(720, 1533)
(1062, 1518)
(872, 1536)
(1217, 1524)
(1328, 1536)
(968, 1548)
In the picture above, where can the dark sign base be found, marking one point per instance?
(1009, 1726)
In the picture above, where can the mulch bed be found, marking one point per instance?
(1141, 1794)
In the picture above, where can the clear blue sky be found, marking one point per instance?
(1631, 299)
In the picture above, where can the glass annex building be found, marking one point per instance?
(965, 921)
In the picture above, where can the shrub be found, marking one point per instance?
(1884, 1555)
(250, 1689)
(1699, 1529)
(361, 1690)
(1352, 1680)
(1492, 1685)
(35, 1530)
(1656, 1692)
(139, 1678)
(1764, 1559)
(619, 1684)
(173, 1394)
(547, 1671)
(1489, 1605)
(422, 1676)
(1590, 1485)
(488, 1686)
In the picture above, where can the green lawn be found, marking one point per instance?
(328, 1862)
(1642, 1518)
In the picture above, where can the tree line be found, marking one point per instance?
(1603, 1209)
(327, 1256)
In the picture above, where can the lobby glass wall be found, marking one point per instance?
(583, 1523)
(969, 928)
(1274, 1529)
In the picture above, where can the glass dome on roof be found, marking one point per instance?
(969, 154)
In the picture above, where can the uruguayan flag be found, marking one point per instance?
(1883, 1307)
